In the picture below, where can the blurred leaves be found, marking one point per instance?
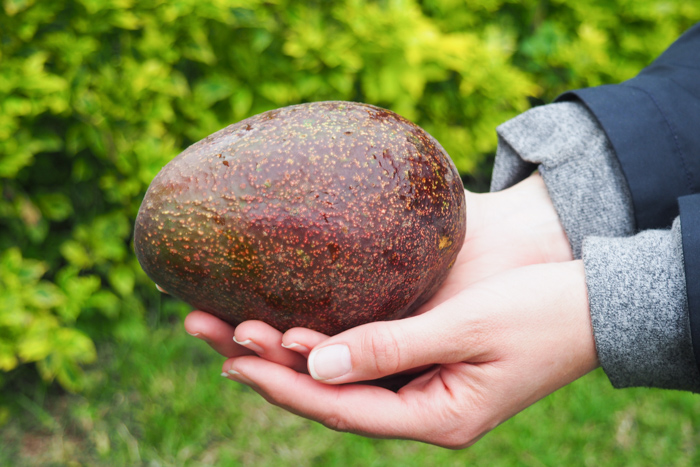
(97, 95)
(30, 325)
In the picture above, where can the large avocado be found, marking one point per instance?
(325, 215)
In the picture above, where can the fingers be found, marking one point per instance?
(356, 408)
(436, 410)
(215, 332)
(384, 348)
(248, 338)
(266, 341)
(302, 340)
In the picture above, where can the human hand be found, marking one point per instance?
(497, 347)
(507, 229)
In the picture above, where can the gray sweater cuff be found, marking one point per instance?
(578, 165)
(639, 309)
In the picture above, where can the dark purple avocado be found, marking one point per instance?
(325, 215)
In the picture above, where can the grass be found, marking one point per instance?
(161, 402)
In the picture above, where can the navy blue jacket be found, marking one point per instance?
(653, 123)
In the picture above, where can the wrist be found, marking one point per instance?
(552, 324)
(525, 211)
(541, 218)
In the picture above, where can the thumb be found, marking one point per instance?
(375, 350)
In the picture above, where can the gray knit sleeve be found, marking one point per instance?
(577, 163)
(639, 309)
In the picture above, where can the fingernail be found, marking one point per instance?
(239, 377)
(249, 344)
(296, 347)
(199, 336)
(330, 362)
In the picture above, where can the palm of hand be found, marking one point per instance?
(506, 230)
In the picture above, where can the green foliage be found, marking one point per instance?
(97, 95)
(30, 327)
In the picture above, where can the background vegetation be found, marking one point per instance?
(97, 95)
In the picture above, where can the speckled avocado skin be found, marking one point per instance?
(325, 215)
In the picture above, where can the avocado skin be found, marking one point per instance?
(324, 215)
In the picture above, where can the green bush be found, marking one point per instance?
(97, 95)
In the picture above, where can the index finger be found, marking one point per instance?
(356, 408)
